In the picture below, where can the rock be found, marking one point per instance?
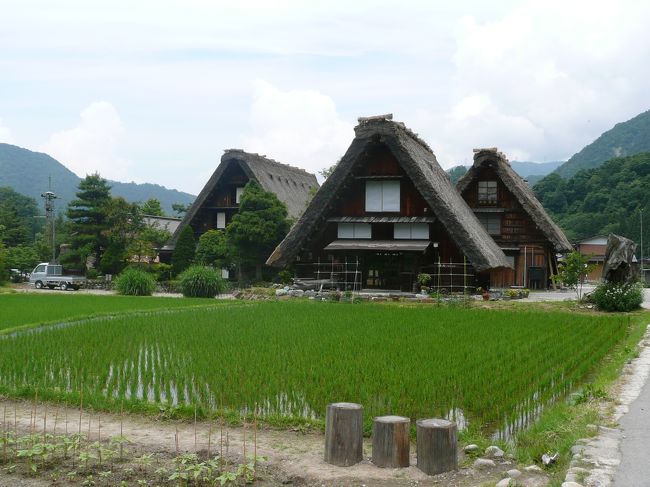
(422, 296)
(513, 473)
(577, 449)
(494, 452)
(533, 469)
(548, 459)
(297, 293)
(482, 463)
(571, 484)
(505, 483)
(280, 292)
(470, 448)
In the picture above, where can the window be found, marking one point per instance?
(238, 192)
(225, 273)
(418, 231)
(40, 268)
(487, 192)
(382, 196)
(491, 222)
(354, 230)
(221, 220)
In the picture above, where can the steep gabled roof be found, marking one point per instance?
(291, 185)
(521, 191)
(419, 163)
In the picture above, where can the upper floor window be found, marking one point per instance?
(491, 222)
(417, 231)
(238, 192)
(221, 219)
(382, 196)
(487, 192)
(354, 230)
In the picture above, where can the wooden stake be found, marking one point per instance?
(99, 439)
(121, 430)
(45, 424)
(194, 428)
(244, 439)
(90, 418)
(210, 441)
(4, 432)
(254, 443)
(81, 408)
(66, 418)
(176, 440)
(56, 419)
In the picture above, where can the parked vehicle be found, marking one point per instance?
(51, 276)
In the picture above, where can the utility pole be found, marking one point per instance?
(49, 198)
(641, 220)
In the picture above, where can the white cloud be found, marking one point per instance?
(5, 133)
(298, 127)
(92, 146)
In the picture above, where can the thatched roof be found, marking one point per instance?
(290, 184)
(521, 191)
(419, 163)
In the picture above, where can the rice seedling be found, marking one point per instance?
(283, 362)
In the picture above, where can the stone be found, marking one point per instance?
(280, 292)
(493, 452)
(513, 473)
(533, 469)
(422, 296)
(471, 448)
(297, 293)
(504, 483)
(577, 449)
(481, 463)
(571, 484)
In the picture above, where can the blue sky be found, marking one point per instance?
(156, 90)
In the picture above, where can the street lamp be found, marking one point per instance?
(641, 242)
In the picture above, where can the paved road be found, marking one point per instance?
(634, 470)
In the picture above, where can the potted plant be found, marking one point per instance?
(483, 292)
(423, 281)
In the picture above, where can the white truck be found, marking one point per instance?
(51, 276)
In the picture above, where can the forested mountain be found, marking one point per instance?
(600, 200)
(624, 139)
(29, 172)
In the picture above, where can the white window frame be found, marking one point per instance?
(354, 230)
(221, 219)
(411, 231)
(239, 190)
(383, 196)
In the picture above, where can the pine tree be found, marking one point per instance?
(257, 228)
(88, 215)
(183, 254)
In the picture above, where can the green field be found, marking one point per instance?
(35, 308)
(287, 360)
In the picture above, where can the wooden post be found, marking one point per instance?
(390, 441)
(436, 445)
(344, 434)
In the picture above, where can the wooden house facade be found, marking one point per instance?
(509, 211)
(387, 213)
(218, 201)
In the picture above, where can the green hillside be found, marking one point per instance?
(624, 139)
(601, 200)
(29, 173)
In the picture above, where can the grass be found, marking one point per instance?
(287, 360)
(20, 309)
(563, 423)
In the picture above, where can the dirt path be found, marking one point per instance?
(293, 457)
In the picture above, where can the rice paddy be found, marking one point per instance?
(31, 308)
(284, 361)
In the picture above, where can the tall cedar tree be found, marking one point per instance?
(257, 228)
(88, 215)
(212, 249)
(124, 225)
(183, 254)
(152, 207)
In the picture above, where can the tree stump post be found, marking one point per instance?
(436, 445)
(344, 434)
(390, 441)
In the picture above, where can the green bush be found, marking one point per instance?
(201, 282)
(135, 282)
(611, 296)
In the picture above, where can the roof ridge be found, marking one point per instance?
(388, 119)
(268, 159)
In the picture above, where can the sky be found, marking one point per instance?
(155, 90)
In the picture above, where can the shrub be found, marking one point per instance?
(285, 276)
(612, 296)
(201, 282)
(135, 282)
